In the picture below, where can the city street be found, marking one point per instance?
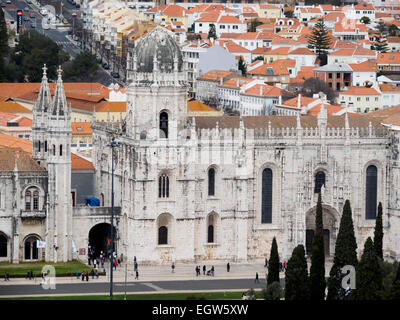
(58, 35)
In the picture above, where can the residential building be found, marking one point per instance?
(360, 99)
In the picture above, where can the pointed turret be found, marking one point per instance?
(40, 120)
(60, 106)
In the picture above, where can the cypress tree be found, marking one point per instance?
(296, 276)
(273, 265)
(317, 270)
(242, 66)
(378, 233)
(345, 254)
(320, 40)
(395, 289)
(369, 280)
(212, 32)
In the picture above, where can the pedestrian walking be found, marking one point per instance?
(173, 268)
(197, 271)
(256, 280)
(6, 277)
(280, 266)
(92, 273)
(137, 275)
(77, 274)
(284, 265)
(94, 263)
(266, 263)
(87, 276)
(212, 271)
(83, 276)
(115, 264)
(204, 270)
(228, 267)
(97, 274)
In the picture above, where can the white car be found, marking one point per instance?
(43, 12)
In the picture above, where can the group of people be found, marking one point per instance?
(210, 272)
(30, 275)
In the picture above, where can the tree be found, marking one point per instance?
(395, 289)
(365, 20)
(212, 33)
(368, 275)
(345, 254)
(312, 86)
(381, 44)
(84, 65)
(34, 50)
(393, 30)
(317, 270)
(296, 276)
(3, 36)
(378, 233)
(381, 27)
(273, 265)
(242, 66)
(288, 13)
(273, 291)
(320, 41)
(254, 24)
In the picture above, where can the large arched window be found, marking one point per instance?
(32, 199)
(31, 249)
(266, 194)
(163, 186)
(211, 182)
(319, 181)
(163, 125)
(371, 192)
(163, 235)
(3, 246)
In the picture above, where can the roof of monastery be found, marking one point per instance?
(77, 163)
(13, 107)
(257, 122)
(9, 157)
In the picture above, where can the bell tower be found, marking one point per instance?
(59, 131)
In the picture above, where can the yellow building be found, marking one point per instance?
(277, 54)
(110, 111)
(166, 14)
(196, 108)
(268, 11)
(360, 99)
(81, 135)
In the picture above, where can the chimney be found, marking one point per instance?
(237, 83)
(261, 89)
(299, 101)
(221, 81)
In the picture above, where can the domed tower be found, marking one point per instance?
(157, 90)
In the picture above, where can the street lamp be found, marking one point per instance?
(112, 145)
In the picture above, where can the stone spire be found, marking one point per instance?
(60, 106)
(44, 99)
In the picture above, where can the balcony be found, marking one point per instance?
(33, 214)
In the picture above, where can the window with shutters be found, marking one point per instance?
(266, 195)
(371, 192)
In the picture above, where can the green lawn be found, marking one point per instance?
(151, 296)
(63, 269)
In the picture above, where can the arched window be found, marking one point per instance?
(36, 200)
(163, 235)
(211, 182)
(210, 234)
(28, 200)
(164, 125)
(266, 202)
(3, 246)
(61, 150)
(31, 250)
(163, 186)
(39, 143)
(319, 181)
(45, 146)
(371, 192)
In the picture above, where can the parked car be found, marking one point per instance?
(26, 9)
(65, 21)
(3, 4)
(106, 66)
(115, 74)
(8, 1)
